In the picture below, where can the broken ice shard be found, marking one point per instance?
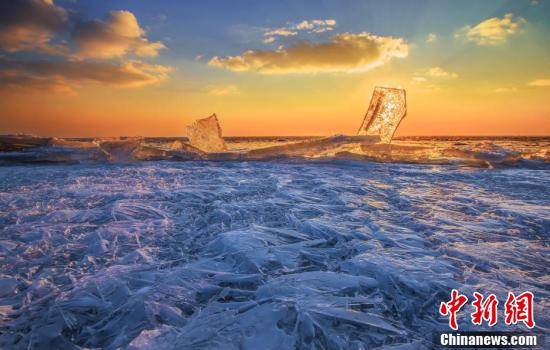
(21, 142)
(387, 108)
(120, 150)
(206, 135)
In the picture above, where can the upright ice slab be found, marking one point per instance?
(387, 108)
(206, 135)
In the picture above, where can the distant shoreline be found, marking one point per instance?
(299, 138)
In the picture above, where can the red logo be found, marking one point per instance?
(485, 310)
(452, 307)
(516, 309)
(519, 308)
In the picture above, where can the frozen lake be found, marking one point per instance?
(271, 255)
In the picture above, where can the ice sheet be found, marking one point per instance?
(206, 135)
(387, 108)
(272, 255)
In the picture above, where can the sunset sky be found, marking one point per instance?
(134, 67)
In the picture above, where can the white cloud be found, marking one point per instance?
(321, 30)
(223, 90)
(430, 79)
(432, 37)
(65, 76)
(116, 36)
(346, 52)
(492, 31)
(270, 36)
(39, 26)
(540, 83)
(438, 72)
(433, 73)
(280, 32)
(311, 26)
(502, 90)
(315, 23)
(269, 40)
(29, 25)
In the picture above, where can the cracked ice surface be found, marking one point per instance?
(271, 255)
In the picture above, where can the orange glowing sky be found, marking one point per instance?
(284, 69)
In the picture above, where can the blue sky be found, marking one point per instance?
(194, 27)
